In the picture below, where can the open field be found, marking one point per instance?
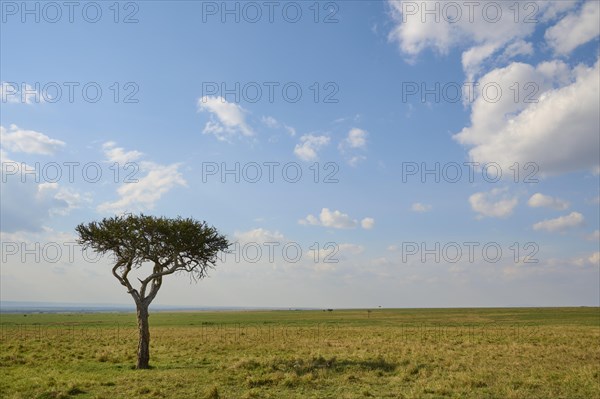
(385, 353)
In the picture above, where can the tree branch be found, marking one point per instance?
(123, 279)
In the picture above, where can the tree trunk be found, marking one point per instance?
(144, 339)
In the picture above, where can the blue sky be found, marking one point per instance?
(170, 116)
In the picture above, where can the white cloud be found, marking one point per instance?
(493, 204)
(64, 195)
(419, 207)
(592, 259)
(270, 122)
(28, 141)
(231, 118)
(575, 29)
(118, 154)
(474, 57)
(367, 223)
(143, 194)
(355, 160)
(13, 93)
(273, 123)
(574, 219)
(520, 47)
(475, 30)
(26, 205)
(357, 138)
(559, 133)
(309, 145)
(259, 236)
(310, 220)
(335, 219)
(541, 200)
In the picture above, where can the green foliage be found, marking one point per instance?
(182, 243)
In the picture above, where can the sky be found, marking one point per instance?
(356, 153)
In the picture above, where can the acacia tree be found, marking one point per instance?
(167, 245)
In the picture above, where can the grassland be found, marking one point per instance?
(385, 353)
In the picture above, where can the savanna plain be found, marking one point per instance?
(366, 353)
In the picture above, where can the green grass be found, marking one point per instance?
(387, 353)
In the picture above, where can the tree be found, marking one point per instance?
(167, 245)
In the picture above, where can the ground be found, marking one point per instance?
(382, 353)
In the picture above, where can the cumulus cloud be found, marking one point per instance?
(142, 195)
(309, 146)
(540, 200)
(367, 223)
(259, 236)
(64, 195)
(572, 220)
(26, 204)
(337, 220)
(227, 119)
(473, 29)
(419, 207)
(553, 120)
(520, 47)
(577, 28)
(27, 200)
(16, 139)
(118, 154)
(357, 138)
(495, 203)
(557, 128)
